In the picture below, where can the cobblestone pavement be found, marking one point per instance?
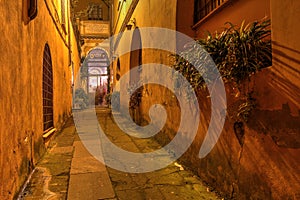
(50, 178)
(173, 182)
(69, 171)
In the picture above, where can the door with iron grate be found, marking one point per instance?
(47, 90)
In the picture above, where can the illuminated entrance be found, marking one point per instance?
(96, 67)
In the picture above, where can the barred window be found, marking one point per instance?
(204, 7)
(95, 12)
(47, 90)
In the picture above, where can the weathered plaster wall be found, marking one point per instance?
(154, 13)
(185, 17)
(235, 12)
(266, 166)
(260, 168)
(21, 124)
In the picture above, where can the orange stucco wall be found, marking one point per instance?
(185, 17)
(267, 165)
(235, 12)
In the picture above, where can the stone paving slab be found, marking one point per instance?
(173, 182)
(89, 179)
(90, 186)
(86, 165)
(50, 178)
(80, 150)
(69, 171)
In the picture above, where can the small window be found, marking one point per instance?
(47, 90)
(205, 7)
(136, 55)
(94, 12)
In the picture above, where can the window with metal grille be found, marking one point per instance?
(95, 12)
(47, 90)
(204, 7)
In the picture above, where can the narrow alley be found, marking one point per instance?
(69, 171)
(149, 99)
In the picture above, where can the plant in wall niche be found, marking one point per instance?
(238, 52)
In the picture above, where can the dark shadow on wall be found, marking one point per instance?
(279, 124)
(281, 85)
(285, 87)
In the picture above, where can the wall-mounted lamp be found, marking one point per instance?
(131, 23)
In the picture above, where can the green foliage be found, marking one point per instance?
(195, 75)
(245, 109)
(238, 53)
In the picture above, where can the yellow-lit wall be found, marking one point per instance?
(21, 121)
(154, 13)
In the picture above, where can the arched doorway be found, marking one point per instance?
(96, 66)
(135, 76)
(47, 90)
(135, 55)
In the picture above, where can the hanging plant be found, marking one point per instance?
(238, 53)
